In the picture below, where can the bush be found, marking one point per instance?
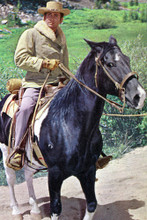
(103, 23)
(13, 20)
(125, 17)
(133, 15)
(98, 4)
(131, 2)
(114, 5)
(125, 4)
(143, 16)
(136, 2)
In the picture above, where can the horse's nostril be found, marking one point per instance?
(136, 99)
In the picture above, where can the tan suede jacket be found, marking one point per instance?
(36, 44)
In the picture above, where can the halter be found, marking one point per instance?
(119, 86)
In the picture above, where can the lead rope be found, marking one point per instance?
(119, 115)
(114, 104)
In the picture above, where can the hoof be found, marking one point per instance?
(35, 216)
(17, 217)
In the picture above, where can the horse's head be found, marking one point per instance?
(114, 73)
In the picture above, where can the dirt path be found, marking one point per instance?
(121, 191)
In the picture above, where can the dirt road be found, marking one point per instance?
(121, 192)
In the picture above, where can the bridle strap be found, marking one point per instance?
(99, 63)
(119, 86)
(127, 77)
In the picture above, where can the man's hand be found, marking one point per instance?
(50, 64)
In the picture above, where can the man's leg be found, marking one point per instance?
(28, 103)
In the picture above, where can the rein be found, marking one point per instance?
(114, 104)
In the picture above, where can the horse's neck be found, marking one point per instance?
(84, 101)
(77, 99)
(86, 74)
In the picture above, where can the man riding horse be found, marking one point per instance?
(39, 50)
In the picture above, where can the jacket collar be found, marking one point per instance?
(42, 27)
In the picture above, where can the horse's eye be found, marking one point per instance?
(110, 64)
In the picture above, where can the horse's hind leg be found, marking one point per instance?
(11, 178)
(87, 181)
(29, 172)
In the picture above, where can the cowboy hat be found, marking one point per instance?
(53, 7)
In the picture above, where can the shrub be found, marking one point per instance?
(125, 17)
(143, 16)
(103, 23)
(98, 4)
(125, 4)
(114, 5)
(13, 20)
(133, 15)
(136, 2)
(107, 5)
(131, 2)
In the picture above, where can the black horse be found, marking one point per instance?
(69, 138)
(68, 133)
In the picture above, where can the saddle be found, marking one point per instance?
(13, 102)
(10, 108)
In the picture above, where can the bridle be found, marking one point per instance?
(119, 86)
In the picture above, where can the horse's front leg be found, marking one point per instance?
(29, 172)
(87, 181)
(55, 182)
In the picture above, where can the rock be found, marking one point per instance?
(4, 22)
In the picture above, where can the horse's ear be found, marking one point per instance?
(95, 46)
(112, 40)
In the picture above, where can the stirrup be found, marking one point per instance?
(16, 159)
